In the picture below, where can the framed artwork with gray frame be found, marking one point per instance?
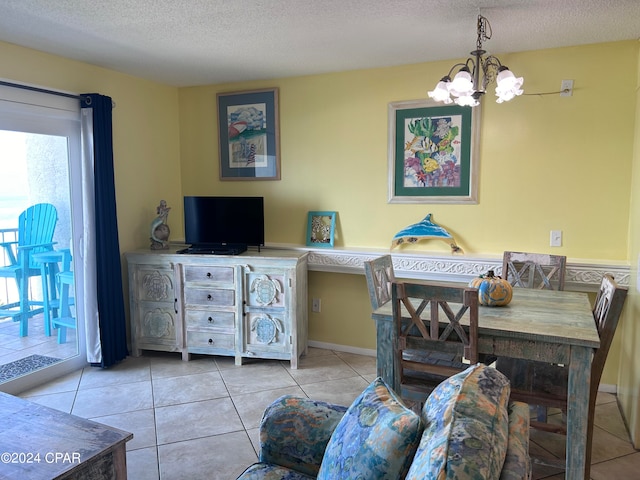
(433, 152)
(249, 135)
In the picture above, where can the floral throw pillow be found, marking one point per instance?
(466, 433)
(376, 438)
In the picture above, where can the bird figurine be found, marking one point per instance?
(425, 230)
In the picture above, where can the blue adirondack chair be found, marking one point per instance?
(35, 235)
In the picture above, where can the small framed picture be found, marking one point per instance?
(249, 135)
(321, 228)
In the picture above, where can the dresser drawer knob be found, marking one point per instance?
(210, 319)
(209, 275)
(211, 341)
(209, 297)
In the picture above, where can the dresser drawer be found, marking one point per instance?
(210, 297)
(210, 340)
(208, 274)
(197, 319)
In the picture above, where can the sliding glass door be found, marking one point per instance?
(40, 164)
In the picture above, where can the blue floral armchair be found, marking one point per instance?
(468, 429)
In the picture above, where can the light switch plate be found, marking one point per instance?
(555, 238)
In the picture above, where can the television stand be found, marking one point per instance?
(231, 249)
(243, 306)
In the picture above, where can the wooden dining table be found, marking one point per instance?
(543, 325)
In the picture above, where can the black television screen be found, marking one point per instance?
(219, 222)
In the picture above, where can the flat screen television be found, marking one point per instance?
(223, 225)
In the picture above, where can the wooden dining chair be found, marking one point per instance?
(546, 384)
(380, 276)
(432, 343)
(534, 270)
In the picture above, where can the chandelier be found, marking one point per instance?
(470, 82)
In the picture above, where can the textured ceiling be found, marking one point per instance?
(200, 42)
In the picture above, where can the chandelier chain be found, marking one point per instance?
(484, 31)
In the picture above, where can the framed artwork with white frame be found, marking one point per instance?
(433, 152)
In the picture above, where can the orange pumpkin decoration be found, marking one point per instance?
(493, 291)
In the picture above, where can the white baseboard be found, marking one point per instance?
(343, 348)
(606, 388)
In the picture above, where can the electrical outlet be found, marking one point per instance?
(315, 305)
(566, 88)
(555, 238)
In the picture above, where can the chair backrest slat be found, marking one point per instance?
(534, 270)
(36, 226)
(607, 309)
(380, 276)
(434, 332)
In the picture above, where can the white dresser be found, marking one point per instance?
(252, 305)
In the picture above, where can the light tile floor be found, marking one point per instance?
(199, 419)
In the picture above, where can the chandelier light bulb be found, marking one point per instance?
(467, 101)
(506, 79)
(462, 82)
(457, 94)
(441, 92)
(504, 97)
(508, 85)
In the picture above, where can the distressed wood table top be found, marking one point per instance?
(560, 317)
(38, 442)
(538, 315)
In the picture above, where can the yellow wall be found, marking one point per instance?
(546, 163)
(145, 132)
(629, 372)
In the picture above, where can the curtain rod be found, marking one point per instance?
(40, 90)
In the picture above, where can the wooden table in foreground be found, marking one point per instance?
(544, 325)
(40, 443)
